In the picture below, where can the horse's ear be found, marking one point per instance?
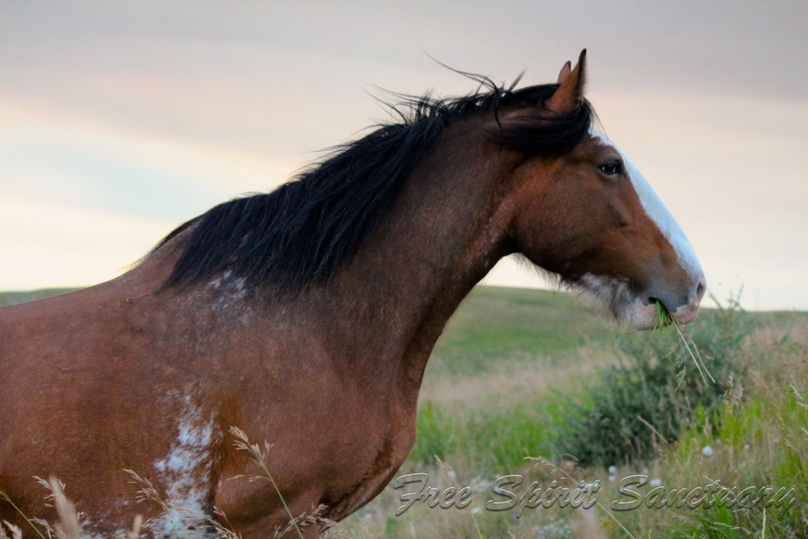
(570, 93)
(565, 73)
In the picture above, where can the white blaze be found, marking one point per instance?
(658, 213)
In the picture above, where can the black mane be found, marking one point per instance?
(302, 231)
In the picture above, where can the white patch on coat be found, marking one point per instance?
(658, 213)
(186, 472)
(86, 523)
(85, 535)
(615, 294)
(231, 291)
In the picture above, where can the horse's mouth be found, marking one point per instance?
(642, 313)
(645, 316)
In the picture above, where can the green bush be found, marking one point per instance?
(656, 390)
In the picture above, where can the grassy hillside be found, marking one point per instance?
(14, 298)
(497, 322)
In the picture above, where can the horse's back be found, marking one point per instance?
(51, 338)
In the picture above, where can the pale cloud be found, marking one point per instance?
(50, 245)
(77, 161)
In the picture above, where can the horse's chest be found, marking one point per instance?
(371, 448)
(367, 472)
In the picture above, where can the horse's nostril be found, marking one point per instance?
(701, 289)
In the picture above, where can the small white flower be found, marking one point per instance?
(452, 474)
(476, 510)
(707, 451)
(612, 470)
(746, 446)
(655, 482)
(611, 478)
(368, 517)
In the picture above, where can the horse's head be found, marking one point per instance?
(589, 216)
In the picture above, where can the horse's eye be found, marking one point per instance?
(611, 169)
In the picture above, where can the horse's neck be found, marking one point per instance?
(443, 234)
(385, 308)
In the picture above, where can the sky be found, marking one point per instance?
(120, 120)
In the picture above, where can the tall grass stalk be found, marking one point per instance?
(545, 462)
(16, 533)
(664, 319)
(242, 443)
(7, 498)
(446, 469)
(67, 525)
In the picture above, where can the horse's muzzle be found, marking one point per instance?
(688, 312)
(644, 313)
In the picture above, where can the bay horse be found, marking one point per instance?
(306, 316)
